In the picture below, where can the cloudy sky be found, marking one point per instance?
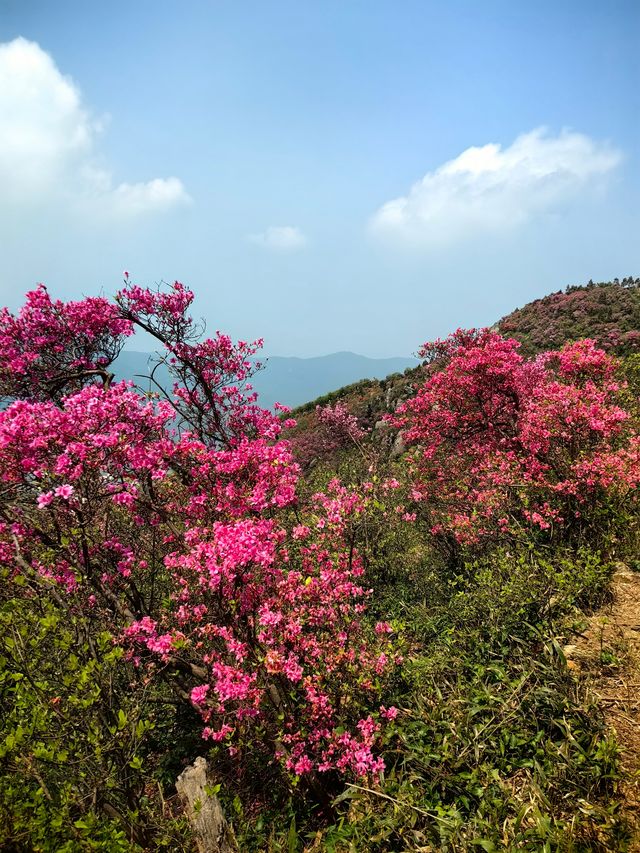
(345, 174)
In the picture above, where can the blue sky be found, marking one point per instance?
(326, 175)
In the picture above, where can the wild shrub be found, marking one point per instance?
(174, 518)
(507, 448)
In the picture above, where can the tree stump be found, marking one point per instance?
(211, 830)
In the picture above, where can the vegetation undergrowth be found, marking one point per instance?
(495, 745)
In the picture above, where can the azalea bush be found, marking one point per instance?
(506, 447)
(174, 518)
(334, 429)
(606, 311)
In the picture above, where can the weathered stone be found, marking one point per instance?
(398, 447)
(211, 831)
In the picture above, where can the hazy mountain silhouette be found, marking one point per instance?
(288, 380)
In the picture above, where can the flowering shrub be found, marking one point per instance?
(175, 519)
(341, 424)
(55, 347)
(503, 444)
(334, 428)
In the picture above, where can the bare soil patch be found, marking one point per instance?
(607, 655)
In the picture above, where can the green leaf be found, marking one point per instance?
(487, 845)
(292, 837)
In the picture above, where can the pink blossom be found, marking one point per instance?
(199, 694)
(389, 713)
(301, 531)
(44, 499)
(303, 765)
(64, 491)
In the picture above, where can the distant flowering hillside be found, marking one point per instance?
(606, 311)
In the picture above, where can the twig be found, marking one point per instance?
(400, 803)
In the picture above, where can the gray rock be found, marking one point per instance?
(211, 831)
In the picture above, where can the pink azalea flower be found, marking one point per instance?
(64, 491)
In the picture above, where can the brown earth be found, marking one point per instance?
(607, 656)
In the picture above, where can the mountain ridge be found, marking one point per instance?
(609, 312)
(290, 380)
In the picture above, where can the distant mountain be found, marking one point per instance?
(294, 381)
(291, 381)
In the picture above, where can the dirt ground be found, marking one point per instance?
(607, 656)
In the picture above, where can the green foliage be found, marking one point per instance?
(499, 755)
(333, 396)
(631, 374)
(77, 734)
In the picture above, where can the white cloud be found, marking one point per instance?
(47, 144)
(280, 238)
(492, 189)
(159, 194)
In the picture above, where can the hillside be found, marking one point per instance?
(372, 650)
(608, 311)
